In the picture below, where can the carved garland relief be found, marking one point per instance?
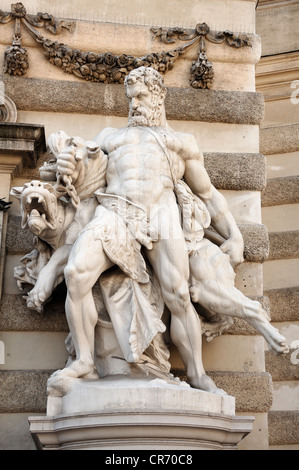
(107, 67)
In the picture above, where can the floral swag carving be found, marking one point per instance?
(107, 67)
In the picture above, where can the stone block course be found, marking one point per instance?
(256, 242)
(279, 139)
(233, 171)
(18, 240)
(284, 304)
(252, 390)
(228, 171)
(281, 367)
(15, 316)
(284, 245)
(284, 190)
(283, 427)
(23, 391)
(93, 98)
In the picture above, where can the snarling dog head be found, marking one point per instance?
(38, 206)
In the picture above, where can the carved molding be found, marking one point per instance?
(8, 110)
(23, 142)
(107, 67)
(276, 76)
(270, 4)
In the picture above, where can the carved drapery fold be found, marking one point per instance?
(8, 110)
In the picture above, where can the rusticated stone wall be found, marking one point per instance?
(277, 80)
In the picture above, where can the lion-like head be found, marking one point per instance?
(38, 206)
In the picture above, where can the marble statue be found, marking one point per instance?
(128, 214)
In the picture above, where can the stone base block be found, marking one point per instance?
(123, 413)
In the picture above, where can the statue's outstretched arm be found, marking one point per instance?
(221, 218)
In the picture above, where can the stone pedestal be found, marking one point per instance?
(127, 413)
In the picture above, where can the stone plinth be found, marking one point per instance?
(127, 413)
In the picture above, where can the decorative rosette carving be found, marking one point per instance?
(16, 58)
(202, 69)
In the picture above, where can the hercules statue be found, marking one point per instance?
(157, 200)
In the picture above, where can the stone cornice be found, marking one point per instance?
(275, 74)
(272, 4)
(20, 146)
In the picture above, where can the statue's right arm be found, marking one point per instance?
(85, 166)
(67, 164)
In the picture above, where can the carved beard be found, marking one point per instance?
(144, 117)
(137, 118)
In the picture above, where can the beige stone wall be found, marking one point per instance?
(276, 77)
(236, 15)
(225, 122)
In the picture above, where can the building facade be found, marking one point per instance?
(277, 80)
(244, 118)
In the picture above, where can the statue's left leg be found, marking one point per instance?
(87, 261)
(169, 259)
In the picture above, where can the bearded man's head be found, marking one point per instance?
(146, 91)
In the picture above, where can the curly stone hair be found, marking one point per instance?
(151, 77)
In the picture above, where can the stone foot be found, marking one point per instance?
(62, 380)
(206, 384)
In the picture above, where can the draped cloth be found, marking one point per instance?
(131, 295)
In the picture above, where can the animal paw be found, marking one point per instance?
(212, 330)
(36, 298)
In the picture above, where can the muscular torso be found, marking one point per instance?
(138, 168)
